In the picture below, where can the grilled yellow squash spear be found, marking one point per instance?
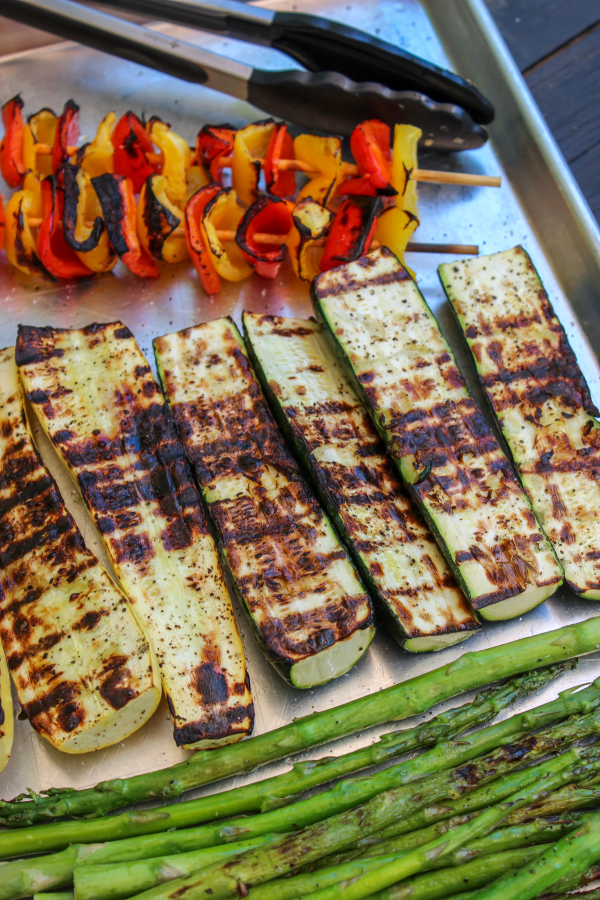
(6, 711)
(85, 674)
(444, 449)
(98, 402)
(303, 597)
(543, 404)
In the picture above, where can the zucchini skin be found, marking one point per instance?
(540, 398)
(294, 580)
(97, 400)
(319, 411)
(443, 447)
(84, 672)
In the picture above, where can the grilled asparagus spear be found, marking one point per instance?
(543, 404)
(85, 674)
(437, 436)
(97, 400)
(303, 597)
(332, 435)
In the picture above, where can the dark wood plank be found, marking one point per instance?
(533, 29)
(567, 90)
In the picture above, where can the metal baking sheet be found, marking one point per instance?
(539, 206)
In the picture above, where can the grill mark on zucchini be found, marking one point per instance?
(61, 618)
(276, 541)
(419, 402)
(541, 398)
(334, 439)
(94, 390)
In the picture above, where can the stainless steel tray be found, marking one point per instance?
(539, 205)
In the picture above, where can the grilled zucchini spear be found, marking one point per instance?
(437, 436)
(302, 595)
(531, 377)
(97, 400)
(341, 452)
(85, 674)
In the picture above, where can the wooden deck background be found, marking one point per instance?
(556, 44)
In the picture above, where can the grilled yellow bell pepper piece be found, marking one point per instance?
(197, 177)
(224, 213)
(98, 156)
(177, 159)
(31, 182)
(404, 160)
(90, 242)
(39, 129)
(311, 223)
(19, 242)
(249, 147)
(157, 219)
(395, 228)
(325, 155)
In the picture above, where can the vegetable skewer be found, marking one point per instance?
(260, 238)
(397, 702)
(432, 176)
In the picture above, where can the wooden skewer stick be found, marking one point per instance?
(414, 246)
(433, 176)
(279, 239)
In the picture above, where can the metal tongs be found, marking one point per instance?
(373, 79)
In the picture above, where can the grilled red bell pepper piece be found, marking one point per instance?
(67, 135)
(194, 210)
(281, 146)
(115, 193)
(53, 250)
(213, 142)
(11, 148)
(370, 146)
(351, 231)
(1, 222)
(132, 145)
(267, 215)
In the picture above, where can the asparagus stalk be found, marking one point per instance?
(569, 858)
(499, 841)
(374, 845)
(116, 882)
(24, 877)
(573, 796)
(436, 885)
(417, 695)
(41, 838)
(278, 858)
(442, 848)
(273, 792)
(60, 895)
(536, 831)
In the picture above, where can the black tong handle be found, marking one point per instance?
(319, 45)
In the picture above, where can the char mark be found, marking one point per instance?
(36, 345)
(220, 723)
